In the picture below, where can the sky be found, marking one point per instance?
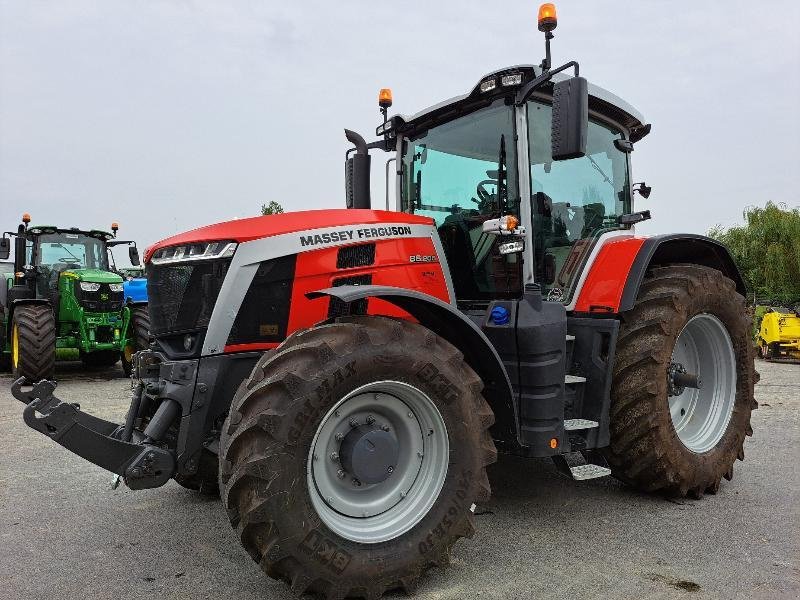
(166, 116)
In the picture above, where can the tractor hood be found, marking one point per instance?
(92, 275)
(253, 228)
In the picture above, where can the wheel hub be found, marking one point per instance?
(378, 461)
(369, 454)
(701, 383)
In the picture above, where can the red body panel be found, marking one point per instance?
(245, 230)
(317, 270)
(602, 289)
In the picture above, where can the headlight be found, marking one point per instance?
(116, 287)
(88, 286)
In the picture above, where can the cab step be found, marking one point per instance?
(578, 424)
(589, 471)
(577, 465)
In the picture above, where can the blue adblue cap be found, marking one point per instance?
(500, 315)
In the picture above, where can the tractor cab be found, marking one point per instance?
(527, 142)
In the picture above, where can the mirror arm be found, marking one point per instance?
(530, 87)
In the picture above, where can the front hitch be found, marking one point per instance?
(142, 465)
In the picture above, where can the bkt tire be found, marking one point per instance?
(33, 342)
(667, 437)
(353, 455)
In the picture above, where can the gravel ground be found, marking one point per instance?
(64, 533)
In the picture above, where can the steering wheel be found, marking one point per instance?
(487, 198)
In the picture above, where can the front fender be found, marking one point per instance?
(449, 323)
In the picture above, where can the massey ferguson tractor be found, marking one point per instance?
(64, 292)
(345, 376)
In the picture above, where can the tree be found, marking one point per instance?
(767, 251)
(273, 208)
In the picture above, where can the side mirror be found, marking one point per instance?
(570, 118)
(5, 248)
(133, 255)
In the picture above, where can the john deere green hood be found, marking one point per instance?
(93, 275)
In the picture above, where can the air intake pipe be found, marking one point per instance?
(357, 172)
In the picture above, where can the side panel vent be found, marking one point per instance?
(337, 308)
(361, 255)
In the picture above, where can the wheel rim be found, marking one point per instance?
(15, 346)
(128, 353)
(701, 416)
(376, 512)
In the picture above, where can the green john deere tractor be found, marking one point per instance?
(61, 292)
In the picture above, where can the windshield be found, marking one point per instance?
(574, 201)
(63, 250)
(462, 173)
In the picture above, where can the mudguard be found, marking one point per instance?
(448, 322)
(674, 248)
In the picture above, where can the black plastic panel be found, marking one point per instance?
(264, 312)
(593, 358)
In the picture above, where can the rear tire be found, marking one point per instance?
(270, 481)
(139, 327)
(686, 452)
(33, 342)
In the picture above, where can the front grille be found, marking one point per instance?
(103, 300)
(361, 255)
(104, 334)
(181, 296)
(338, 308)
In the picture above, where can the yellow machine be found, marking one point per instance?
(779, 335)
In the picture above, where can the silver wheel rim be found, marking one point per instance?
(701, 416)
(372, 513)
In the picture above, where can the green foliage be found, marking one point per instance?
(767, 251)
(273, 208)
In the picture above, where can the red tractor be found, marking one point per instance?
(343, 377)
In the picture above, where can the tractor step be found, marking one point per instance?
(576, 465)
(589, 471)
(577, 424)
(574, 379)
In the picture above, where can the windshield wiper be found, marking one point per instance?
(63, 247)
(599, 170)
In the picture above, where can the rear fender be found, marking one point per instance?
(613, 279)
(447, 322)
(683, 248)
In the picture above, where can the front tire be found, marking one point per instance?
(673, 440)
(33, 342)
(288, 480)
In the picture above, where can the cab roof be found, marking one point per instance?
(96, 233)
(600, 100)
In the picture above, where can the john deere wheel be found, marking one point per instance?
(139, 327)
(352, 456)
(33, 342)
(683, 383)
